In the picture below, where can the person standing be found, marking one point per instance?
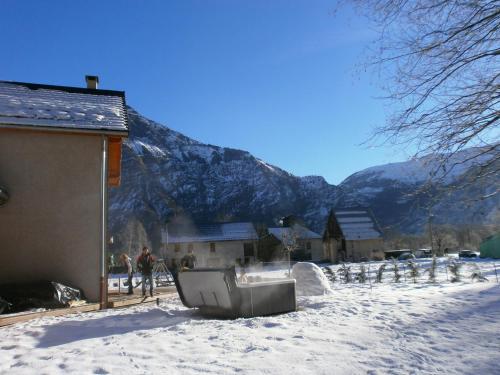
(145, 266)
(189, 260)
(128, 263)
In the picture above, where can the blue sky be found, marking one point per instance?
(276, 78)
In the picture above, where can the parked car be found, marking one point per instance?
(423, 253)
(406, 256)
(467, 254)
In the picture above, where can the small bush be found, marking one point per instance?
(414, 271)
(432, 270)
(380, 273)
(330, 275)
(395, 269)
(361, 276)
(345, 274)
(477, 274)
(454, 266)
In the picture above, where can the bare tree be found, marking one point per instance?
(290, 241)
(439, 61)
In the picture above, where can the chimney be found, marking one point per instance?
(92, 82)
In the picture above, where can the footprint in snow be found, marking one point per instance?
(100, 371)
(272, 325)
(8, 347)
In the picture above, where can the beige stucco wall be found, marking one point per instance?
(50, 228)
(355, 250)
(317, 250)
(226, 253)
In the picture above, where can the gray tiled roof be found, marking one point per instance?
(357, 224)
(299, 231)
(210, 233)
(70, 108)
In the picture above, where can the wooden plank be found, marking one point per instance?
(8, 320)
(131, 301)
(117, 303)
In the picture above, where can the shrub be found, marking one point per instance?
(477, 274)
(345, 273)
(432, 270)
(395, 269)
(454, 266)
(361, 276)
(380, 273)
(330, 275)
(414, 271)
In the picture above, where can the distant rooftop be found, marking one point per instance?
(209, 233)
(357, 224)
(301, 232)
(60, 107)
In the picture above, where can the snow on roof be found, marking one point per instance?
(357, 224)
(34, 105)
(301, 232)
(210, 233)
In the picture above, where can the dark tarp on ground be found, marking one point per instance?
(40, 294)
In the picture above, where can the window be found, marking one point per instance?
(248, 249)
(177, 247)
(308, 246)
(212, 247)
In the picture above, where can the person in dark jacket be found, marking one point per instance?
(145, 265)
(189, 260)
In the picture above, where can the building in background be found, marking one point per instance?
(214, 245)
(60, 150)
(352, 234)
(304, 243)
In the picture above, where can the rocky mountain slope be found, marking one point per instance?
(165, 174)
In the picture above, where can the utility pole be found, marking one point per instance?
(430, 232)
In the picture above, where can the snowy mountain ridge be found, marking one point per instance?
(421, 170)
(165, 173)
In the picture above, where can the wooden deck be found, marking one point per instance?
(115, 300)
(122, 299)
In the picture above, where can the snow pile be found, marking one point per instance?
(311, 281)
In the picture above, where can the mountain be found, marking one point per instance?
(403, 195)
(166, 174)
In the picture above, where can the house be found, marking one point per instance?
(214, 245)
(60, 150)
(352, 234)
(306, 244)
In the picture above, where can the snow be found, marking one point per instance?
(421, 169)
(139, 146)
(264, 164)
(388, 328)
(35, 105)
(310, 280)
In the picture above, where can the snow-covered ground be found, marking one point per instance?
(400, 328)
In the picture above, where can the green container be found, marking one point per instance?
(490, 247)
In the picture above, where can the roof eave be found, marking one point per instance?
(62, 129)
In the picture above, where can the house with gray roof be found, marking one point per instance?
(60, 151)
(353, 234)
(214, 245)
(304, 243)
